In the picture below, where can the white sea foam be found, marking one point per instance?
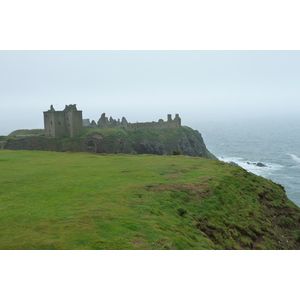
(229, 159)
(295, 157)
(252, 167)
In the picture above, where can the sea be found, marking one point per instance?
(274, 143)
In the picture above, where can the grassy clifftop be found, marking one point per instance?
(67, 200)
(114, 140)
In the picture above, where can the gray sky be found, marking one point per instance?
(147, 85)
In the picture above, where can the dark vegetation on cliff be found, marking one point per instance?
(161, 142)
(53, 200)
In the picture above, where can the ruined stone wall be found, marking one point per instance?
(86, 123)
(156, 125)
(69, 122)
(105, 122)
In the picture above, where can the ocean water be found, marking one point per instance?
(274, 143)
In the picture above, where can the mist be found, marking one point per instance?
(201, 86)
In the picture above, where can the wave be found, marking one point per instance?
(294, 157)
(295, 167)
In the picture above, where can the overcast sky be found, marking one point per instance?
(147, 85)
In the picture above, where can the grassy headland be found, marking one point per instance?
(51, 200)
(114, 140)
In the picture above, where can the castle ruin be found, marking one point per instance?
(69, 122)
(63, 123)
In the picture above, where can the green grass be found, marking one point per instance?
(27, 131)
(52, 200)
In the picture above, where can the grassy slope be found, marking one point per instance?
(27, 131)
(87, 201)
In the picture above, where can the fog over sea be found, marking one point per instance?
(274, 143)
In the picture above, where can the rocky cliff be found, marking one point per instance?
(183, 140)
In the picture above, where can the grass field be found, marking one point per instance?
(52, 200)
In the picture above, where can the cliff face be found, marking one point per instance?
(161, 142)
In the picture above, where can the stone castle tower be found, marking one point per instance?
(63, 123)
